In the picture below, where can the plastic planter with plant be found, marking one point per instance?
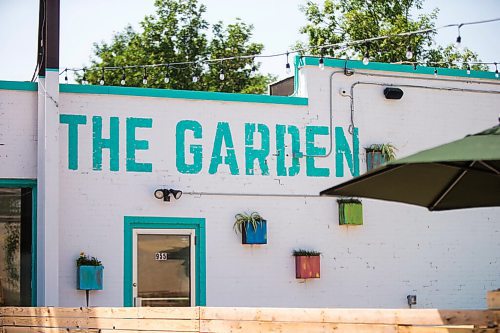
(379, 154)
(307, 264)
(90, 273)
(252, 227)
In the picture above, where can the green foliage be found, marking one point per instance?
(85, 260)
(305, 253)
(387, 150)
(348, 20)
(11, 247)
(177, 33)
(244, 220)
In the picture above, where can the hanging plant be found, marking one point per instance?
(252, 227)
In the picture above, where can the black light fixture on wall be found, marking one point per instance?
(393, 93)
(164, 193)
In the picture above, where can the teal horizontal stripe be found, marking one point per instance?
(185, 94)
(52, 70)
(382, 66)
(15, 85)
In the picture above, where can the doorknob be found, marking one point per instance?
(134, 284)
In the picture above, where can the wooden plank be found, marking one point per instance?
(45, 322)
(146, 312)
(428, 329)
(354, 316)
(493, 299)
(44, 312)
(45, 330)
(229, 326)
(144, 324)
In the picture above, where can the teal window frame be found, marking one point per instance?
(28, 183)
(155, 222)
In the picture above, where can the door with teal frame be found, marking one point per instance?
(151, 227)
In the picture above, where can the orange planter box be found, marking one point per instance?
(307, 267)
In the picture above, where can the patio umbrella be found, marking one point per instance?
(461, 174)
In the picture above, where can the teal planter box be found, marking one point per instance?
(374, 159)
(250, 235)
(89, 277)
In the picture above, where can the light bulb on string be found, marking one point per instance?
(221, 75)
(167, 78)
(366, 59)
(409, 53)
(321, 62)
(101, 81)
(435, 72)
(468, 69)
(415, 66)
(458, 42)
(145, 77)
(288, 68)
(84, 77)
(496, 71)
(122, 82)
(66, 75)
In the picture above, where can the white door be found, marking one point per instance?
(163, 267)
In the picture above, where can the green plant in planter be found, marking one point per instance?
(252, 227)
(241, 220)
(89, 273)
(378, 154)
(85, 260)
(305, 253)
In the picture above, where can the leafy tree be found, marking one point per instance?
(177, 33)
(349, 20)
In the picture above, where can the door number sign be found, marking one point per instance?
(160, 256)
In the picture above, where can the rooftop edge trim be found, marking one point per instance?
(382, 66)
(164, 93)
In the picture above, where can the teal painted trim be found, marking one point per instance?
(16, 85)
(380, 66)
(41, 76)
(147, 222)
(16, 183)
(52, 70)
(184, 94)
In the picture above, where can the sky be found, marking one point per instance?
(276, 25)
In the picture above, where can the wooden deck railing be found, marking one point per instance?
(251, 320)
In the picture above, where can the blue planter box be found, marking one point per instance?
(250, 235)
(374, 159)
(89, 277)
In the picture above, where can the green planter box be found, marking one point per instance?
(89, 277)
(350, 212)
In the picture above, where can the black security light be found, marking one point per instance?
(164, 193)
(393, 93)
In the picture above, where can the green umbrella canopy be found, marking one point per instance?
(461, 174)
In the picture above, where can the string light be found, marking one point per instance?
(496, 71)
(122, 82)
(458, 42)
(366, 58)
(66, 75)
(435, 72)
(101, 82)
(84, 77)
(221, 75)
(468, 69)
(321, 62)
(167, 78)
(409, 53)
(288, 68)
(415, 66)
(145, 77)
(340, 45)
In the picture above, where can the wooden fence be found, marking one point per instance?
(242, 320)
